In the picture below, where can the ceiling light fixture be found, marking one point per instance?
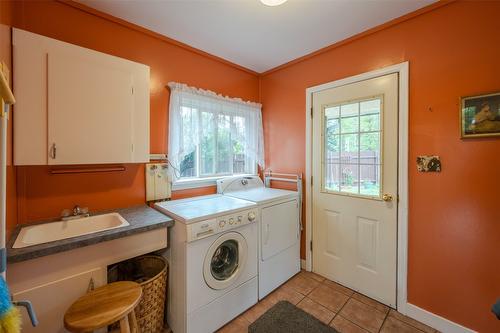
(273, 2)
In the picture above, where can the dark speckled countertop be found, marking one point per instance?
(141, 219)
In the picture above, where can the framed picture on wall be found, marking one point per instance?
(480, 116)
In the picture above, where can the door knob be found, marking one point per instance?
(387, 197)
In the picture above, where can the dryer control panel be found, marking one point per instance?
(220, 224)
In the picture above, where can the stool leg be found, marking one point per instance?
(124, 325)
(133, 322)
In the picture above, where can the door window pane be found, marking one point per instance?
(349, 147)
(332, 120)
(332, 176)
(371, 106)
(369, 123)
(369, 177)
(369, 149)
(352, 151)
(349, 178)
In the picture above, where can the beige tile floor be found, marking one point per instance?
(333, 304)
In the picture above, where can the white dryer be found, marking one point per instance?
(213, 261)
(279, 228)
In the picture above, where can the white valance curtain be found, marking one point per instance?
(195, 112)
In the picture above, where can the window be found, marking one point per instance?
(352, 153)
(211, 136)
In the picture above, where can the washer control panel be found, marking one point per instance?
(220, 224)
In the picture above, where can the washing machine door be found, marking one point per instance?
(225, 260)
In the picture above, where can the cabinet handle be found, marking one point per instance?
(53, 151)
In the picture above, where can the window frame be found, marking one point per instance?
(323, 188)
(206, 180)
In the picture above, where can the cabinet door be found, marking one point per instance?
(51, 300)
(90, 106)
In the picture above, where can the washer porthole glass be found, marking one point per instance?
(225, 260)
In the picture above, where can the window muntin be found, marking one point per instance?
(352, 149)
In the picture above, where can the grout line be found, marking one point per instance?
(409, 324)
(338, 313)
(383, 322)
(370, 305)
(360, 327)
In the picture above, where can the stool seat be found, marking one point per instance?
(103, 306)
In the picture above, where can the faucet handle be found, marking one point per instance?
(77, 210)
(66, 213)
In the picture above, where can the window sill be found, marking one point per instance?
(200, 182)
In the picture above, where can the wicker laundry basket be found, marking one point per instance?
(151, 273)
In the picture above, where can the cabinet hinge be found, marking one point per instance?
(311, 245)
(311, 180)
(132, 147)
(132, 90)
(311, 112)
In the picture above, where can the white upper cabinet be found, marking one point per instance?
(77, 106)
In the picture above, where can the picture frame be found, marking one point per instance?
(480, 116)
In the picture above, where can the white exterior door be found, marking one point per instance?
(354, 192)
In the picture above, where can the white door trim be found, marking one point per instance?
(403, 70)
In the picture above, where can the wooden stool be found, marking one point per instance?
(105, 306)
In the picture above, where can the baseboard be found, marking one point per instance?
(433, 320)
(303, 264)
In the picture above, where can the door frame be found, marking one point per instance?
(402, 228)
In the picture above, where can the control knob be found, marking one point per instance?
(251, 216)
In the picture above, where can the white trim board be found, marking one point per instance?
(434, 320)
(402, 256)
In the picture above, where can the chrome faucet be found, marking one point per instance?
(76, 213)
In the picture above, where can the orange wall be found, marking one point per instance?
(42, 195)
(454, 220)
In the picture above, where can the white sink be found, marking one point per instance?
(49, 232)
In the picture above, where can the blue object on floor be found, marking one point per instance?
(5, 303)
(10, 319)
(496, 308)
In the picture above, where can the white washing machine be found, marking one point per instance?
(213, 261)
(279, 228)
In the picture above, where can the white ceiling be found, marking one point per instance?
(253, 35)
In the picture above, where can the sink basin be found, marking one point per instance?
(49, 232)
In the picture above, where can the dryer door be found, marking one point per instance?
(279, 228)
(225, 260)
